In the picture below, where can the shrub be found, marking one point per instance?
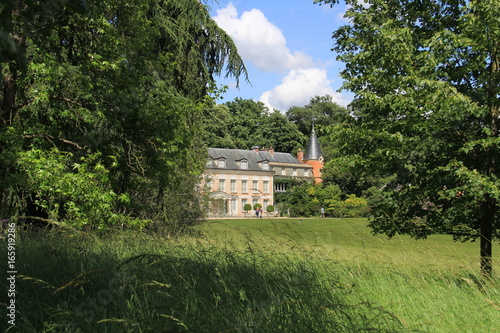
(78, 194)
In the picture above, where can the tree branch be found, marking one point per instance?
(50, 137)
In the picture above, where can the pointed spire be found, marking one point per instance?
(313, 151)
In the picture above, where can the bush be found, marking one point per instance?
(353, 206)
(78, 194)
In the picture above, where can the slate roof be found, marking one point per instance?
(232, 156)
(313, 151)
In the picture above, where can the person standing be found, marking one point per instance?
(322, 213)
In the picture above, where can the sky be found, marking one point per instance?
(286, 47)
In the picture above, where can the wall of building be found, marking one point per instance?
(243, 189)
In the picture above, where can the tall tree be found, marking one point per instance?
(281, 134)
(107, 87)
(251, 124)
(427, 83)
(324, 113)
(247, 116)
(321, 110)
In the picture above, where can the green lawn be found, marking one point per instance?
(429, 285)
(347, 240)
(251, 275)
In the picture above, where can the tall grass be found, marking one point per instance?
(241, 276)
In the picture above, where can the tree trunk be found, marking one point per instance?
(490, 206)
(486, 229)
(9, 99)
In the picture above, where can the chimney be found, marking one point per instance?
(255, 149)
(300, 155)
(271, 150)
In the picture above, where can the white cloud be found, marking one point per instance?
(298, 87)
(259, 41)
(263, 44)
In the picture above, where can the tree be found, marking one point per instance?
(247, 117)
(277, 132)
(427, 83)
(216, 125)
(117, 87)
(250, 124)
(321, 110)
(324, 113)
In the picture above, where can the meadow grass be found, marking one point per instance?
(251, 276)
(430, 285)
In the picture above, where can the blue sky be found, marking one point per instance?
(285, 45)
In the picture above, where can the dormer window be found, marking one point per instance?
(222, 163)
(210, 163)
(244, 164)
(265, 165)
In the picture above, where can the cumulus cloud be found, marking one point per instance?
(259, 41)
(263, 44)
(298, 87)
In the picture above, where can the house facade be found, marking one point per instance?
(236, 177)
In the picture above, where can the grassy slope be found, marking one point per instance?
(350, 240)
(429, 285)
(251, 276)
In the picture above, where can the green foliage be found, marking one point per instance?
(427, 79)
(306, 199)
(352, 206)
(270, 208)
(241, 124)
(78, 194)
(257, 206)
(247, 207)
(110, 94)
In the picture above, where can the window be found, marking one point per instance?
(233, 185)
(233, 205)
(255, 201)
(265, 165)
(283, 171)
(243, 203)
(209, 184)
(244, 187)
(280, 187)
(266, 203)
(210, 162)
(294, 172)
(255, 186)
(266, 186)
(244, 164)
(222, 163)
(222, 185)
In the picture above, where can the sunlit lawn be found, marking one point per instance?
(431, 285)
(252, 275)
(347, 240)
